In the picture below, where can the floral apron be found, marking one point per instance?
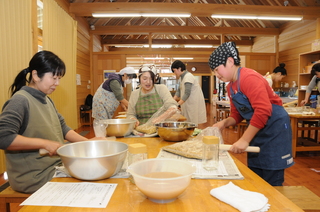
(274, 140)
(147, 105)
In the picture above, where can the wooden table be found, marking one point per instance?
(127, 197)
(295, 119)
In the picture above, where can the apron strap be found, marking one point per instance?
(238, 78)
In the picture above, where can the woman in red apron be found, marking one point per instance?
(254, 100)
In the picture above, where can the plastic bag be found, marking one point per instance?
(159, 116)
(209, 131)
(163, 115)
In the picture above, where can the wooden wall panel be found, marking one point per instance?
(295, 38)
(202, 67)
(261, 63)
(264, 45)
(83, 64)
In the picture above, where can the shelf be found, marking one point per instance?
(304, 73)
(305, 59)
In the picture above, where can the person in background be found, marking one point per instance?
(252, 98)
(315, 72)
(189, 94)
(29, 121)
(110, 94)
(149, 97)
(277, 75)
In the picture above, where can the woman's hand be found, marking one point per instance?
(124, 104)
(303, 102)
(50, 147)
(219, 125)
(137, 122)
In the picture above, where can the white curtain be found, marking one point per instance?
(15, 47)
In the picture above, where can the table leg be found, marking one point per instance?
(294, 127)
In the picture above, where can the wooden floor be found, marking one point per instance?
(305, 171)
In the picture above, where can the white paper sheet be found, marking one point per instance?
(227, 168)
(86, 195)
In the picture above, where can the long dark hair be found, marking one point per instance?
(43, 62)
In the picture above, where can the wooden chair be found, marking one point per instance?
(8, 195)
(86, 117)
(241, 127)
(312, 134)
(222, 113)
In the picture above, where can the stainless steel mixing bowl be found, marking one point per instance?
(175, 131)
(119, 127)
(93, 160)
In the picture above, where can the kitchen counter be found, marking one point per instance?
(127, 197)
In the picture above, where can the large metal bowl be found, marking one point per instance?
(119, 127)
(175, 131)
(93, 160)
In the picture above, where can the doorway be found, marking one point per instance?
(205, 82)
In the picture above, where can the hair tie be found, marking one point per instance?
(26, 70)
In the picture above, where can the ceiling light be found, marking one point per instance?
(154, 58)
(283, 18)
(198, 46)
(186, 15)
(158, 46)
(234, 16)
(182, 58)
(112, 15)
(128, 46)
(280, 18)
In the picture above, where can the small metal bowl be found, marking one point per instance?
(93, 160)
(175, 131)
(119, 127)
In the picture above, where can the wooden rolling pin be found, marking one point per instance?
(249, 148)
(290, 103)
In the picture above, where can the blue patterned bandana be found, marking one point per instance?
(221, 54)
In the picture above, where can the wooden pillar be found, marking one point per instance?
(222, 39)
(276, 48)
(150, 41)
(318, 29)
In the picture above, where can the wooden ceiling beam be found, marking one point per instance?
(200, 10)
(190, 30)
(169, 41)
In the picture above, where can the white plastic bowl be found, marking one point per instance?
(163, 189)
